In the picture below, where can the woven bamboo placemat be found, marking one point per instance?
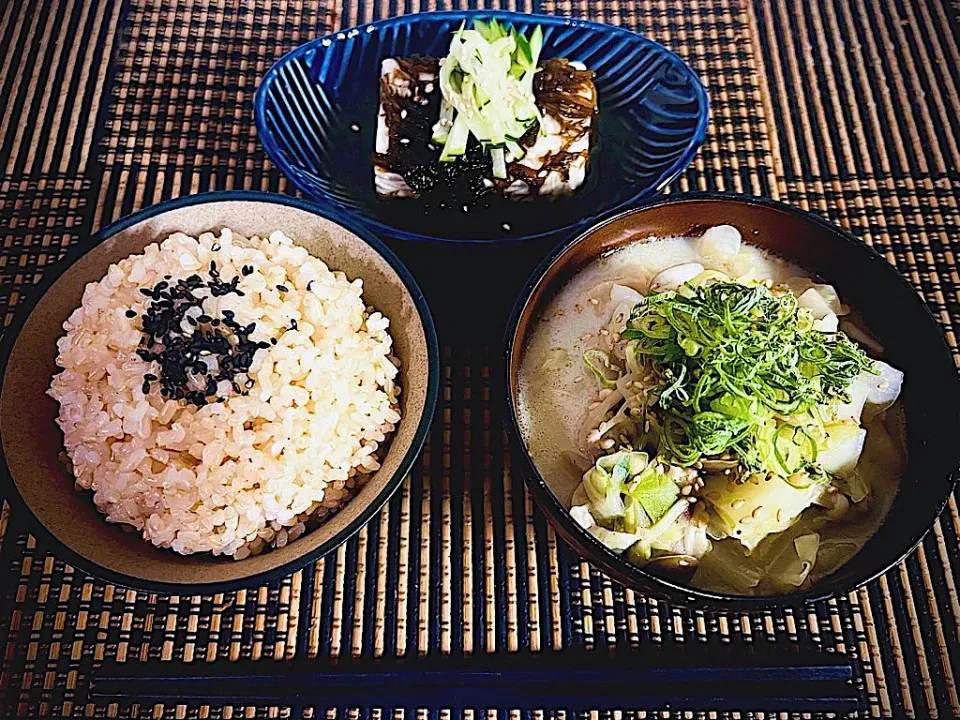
(846, 107)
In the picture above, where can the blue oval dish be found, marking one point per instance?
(316, 114)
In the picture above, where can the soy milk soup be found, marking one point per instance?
(862, 448)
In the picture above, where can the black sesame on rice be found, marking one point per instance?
(192, 363)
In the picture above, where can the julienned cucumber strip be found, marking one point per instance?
(486, 82)
(456, 143)
(499, 163)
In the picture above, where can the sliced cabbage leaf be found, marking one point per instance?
(720, 241)
(842, 449)
(871, 393)
(624, 299)
(855, 487)
(624, 293)
(792, 567)
(673, 277)
(603, 492)
(857, 393)
(603, 484)
(829, 323)
(727, 565)
(655, 491)
(634, 516)
(884, 389)
(582, 515)
(821, 300)
(616, 541)
(631, 462)
(653, 537)
(762, 505)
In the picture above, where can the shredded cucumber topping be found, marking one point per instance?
(486, 82)
(742, 370)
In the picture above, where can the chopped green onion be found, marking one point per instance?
(599, 363)
(735, 362)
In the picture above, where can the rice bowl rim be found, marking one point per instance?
(33, 296)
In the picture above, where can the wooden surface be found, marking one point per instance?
(849, 108)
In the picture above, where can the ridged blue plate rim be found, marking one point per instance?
(668, 175)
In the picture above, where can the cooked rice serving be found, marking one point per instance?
(234, 472)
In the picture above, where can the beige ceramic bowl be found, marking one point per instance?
(32, 442)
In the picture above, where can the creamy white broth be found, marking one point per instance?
(556, 390)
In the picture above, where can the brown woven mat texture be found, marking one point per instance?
(848, 108)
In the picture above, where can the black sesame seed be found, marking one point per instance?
(248, 384)
(247, 270)
(131, 313)
(216, 247)
(167, 277)
(273, 341)
(293, 324)
(309, 285)
(179, 352)
(147, 291)
(146, 387)
(283, 288)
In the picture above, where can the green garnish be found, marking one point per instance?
(599, 363)
(734, 361)
(486, 84)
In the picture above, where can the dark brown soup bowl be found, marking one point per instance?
(42, 489)
(890, 308)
